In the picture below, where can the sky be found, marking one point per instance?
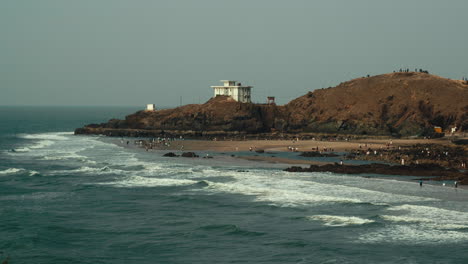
(135, 52)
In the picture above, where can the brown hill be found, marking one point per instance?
(397, 103)
(390, 104)
(221, 113)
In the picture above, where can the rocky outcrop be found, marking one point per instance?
(171, 155)
(375, 168)
(317, 154)
(189, 155)
(219, 117)
(184, 155)
(444, 155)
(398, 104)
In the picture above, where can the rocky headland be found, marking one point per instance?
(394, 104)
(400, 104)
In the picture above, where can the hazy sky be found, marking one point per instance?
(133, 52)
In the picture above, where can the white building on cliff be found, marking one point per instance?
(150, 107)
(235, 90)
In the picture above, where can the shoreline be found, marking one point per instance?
(282, 145)
(277, 152)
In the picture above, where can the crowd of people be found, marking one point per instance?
(415, 70)
(447, 156)
(155, 143)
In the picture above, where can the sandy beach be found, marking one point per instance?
(282, 145)
(271, 147)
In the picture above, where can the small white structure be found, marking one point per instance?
(150, 107)
(235, 90)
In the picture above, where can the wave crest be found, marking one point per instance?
(335, 220)
(139, 181)
(11, 171)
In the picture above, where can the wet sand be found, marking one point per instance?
(272, 147)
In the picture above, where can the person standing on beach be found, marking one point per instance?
(420, 183)
(456, 184)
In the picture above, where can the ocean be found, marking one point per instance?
(85, 199)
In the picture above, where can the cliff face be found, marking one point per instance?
(389, 104)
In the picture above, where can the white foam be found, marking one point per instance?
(39, 145)
(71, 155)
(43, 144)
(61, 146)
(430, 216)
(361, 193)
(95, 171)
(334, 220)
(417, 224)
(85, 169)
(47, 136)
(151, 168)
(24, 149)
(10, 171)
(138, 181)
(413, 235)
(277, 187)
(427, 222)
(33, 173)
(288, 190)
(277, 196)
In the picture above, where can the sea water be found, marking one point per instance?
(85, 199)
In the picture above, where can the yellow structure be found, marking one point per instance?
(437, 129)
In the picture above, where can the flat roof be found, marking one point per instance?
(221, 86)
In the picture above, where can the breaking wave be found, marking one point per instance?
(418, 224)
(138, 181)
(33, 173)
(10, 171)
(412, 235)
(277, 196)
(334, 220)
(47, 136)
(430, 216)
(13, 171)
